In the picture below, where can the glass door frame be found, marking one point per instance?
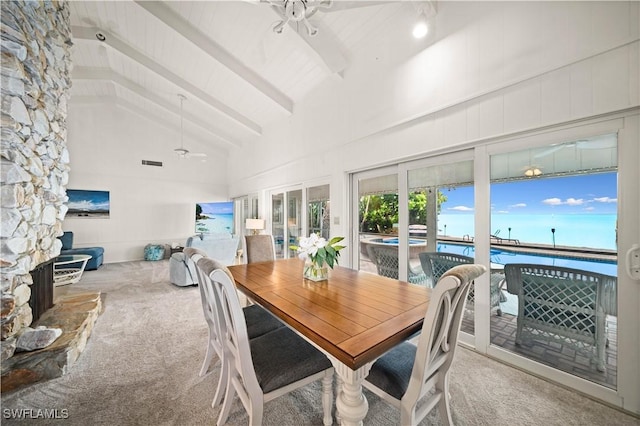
(285, 210)
(354, 235)
(627, 394)
(627, 125)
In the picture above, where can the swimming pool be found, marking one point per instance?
(504, 256)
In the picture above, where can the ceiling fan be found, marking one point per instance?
(182, 151)
(601, 142)
(294, 12)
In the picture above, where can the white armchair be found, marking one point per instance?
(221, 247)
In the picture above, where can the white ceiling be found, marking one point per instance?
(237, 74)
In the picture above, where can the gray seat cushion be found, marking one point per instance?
(392, 371)
(281, 357)
(259, 321)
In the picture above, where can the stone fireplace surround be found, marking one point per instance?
(34, 169)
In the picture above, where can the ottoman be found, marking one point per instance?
(154, 252)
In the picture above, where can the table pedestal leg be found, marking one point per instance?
(351, 403)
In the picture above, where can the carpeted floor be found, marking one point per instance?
(141, 364)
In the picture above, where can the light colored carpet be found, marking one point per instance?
(141, 364)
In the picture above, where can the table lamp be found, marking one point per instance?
(254, 225)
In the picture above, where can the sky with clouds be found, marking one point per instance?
(584, 194)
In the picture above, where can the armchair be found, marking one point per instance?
(387, 264)
(434, 264)
(96, 253)
(565, 304)
(221, 247)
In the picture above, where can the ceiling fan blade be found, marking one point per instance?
(339, 5)
(325, 46)
(606, 142)
(549, 151)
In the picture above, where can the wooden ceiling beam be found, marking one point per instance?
(89, 73)
(87, 33)
(183, 27)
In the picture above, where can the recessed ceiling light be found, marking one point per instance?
(420, 29)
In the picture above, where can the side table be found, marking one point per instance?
(68, 269)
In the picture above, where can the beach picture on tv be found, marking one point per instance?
(214, 217)
(88, 204)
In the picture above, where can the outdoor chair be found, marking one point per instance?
(434, 264)
(258, 320)
(387, 265)
(266, 367)
(259, 248)
(570, 305)
(407, 374)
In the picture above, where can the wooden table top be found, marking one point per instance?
(354, 316)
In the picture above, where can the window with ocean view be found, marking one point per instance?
(554, 235)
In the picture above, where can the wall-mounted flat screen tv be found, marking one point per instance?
(214, 217)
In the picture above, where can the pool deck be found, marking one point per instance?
(517, 246)
(544, 249)
(552, 353)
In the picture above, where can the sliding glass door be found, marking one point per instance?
(376, 201)
(297, 212)
(554, 218)
(553, 232)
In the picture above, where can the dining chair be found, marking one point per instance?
(387, 264)
(434, 264)
(259, 321)
(266, 367)
(259, 248)
(405, 375)
(563, 304)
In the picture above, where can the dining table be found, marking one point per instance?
(353, 317)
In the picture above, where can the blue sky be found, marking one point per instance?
(583, 194)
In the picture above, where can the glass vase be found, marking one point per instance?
(314, 272)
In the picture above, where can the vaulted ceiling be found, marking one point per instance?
(237, 74)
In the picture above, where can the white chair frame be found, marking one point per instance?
(237, 356)
(435, 350)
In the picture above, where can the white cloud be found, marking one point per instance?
(569, 201)
(590, 208)
(461, 208)
(514, 206)
(552, 201)
(574, 202)
(605, 200)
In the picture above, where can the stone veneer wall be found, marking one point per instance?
(34, 168)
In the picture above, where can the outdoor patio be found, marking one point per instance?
(554, 353)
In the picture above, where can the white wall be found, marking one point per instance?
(148, 204)
(492, 69)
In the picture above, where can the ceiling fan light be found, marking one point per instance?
(532, 171)
(311, 30)
(278, 28)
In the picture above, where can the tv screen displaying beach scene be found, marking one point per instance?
(216, 217)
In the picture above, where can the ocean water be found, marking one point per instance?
(574, 230)
(215, 224)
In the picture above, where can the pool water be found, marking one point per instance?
(504, 256)
(394, 241)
